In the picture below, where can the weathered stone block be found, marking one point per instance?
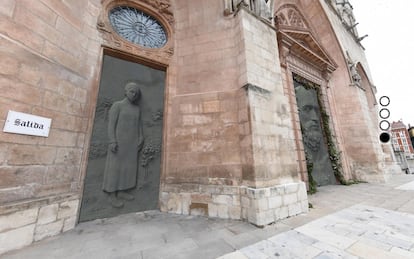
(260, 205)
(68, 156)
(302, 194)
(245, 202)
(174, 204)
(261, 218)
(20, 175)
(48, 214)
(61, 174)
(291, 188)
(18, 219)
(31, 155)
(236, 200)
(69, 223)
(186, 202)
(17, 238)
(235, 212)
(275, 202)
(213, 210)
(290, 199)
(223, 199)
(48, 230)
(258, 193)
(294, 209)
(68, 209)
(284, 212)
(17, 193)
(223, 211)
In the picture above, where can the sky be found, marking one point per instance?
(389, 49)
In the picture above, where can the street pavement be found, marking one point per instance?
(357, 221)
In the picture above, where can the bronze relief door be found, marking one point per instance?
(123, 171)
(313, 136)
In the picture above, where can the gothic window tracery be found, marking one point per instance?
(140, 28)
(137, 27)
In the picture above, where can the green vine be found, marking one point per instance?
(312, 184)
(334, 154)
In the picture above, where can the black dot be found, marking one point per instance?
(385, 137)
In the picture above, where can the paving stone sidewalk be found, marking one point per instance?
(357, 232)
(357, 221)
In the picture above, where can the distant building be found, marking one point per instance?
(411, 134)
(401, 140)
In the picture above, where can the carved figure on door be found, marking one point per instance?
(125, 141)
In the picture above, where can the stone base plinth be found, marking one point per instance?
(22, 224)
(263, 206)
(259, 206)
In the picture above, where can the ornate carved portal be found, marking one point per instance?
(123, 172)
(302, 55)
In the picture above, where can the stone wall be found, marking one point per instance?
(357, 104)
(230, 140)
(49, 59)
(202, 137)
(273, 145)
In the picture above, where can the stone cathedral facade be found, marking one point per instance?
(220, 108)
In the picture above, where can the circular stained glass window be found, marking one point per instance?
(137, 27)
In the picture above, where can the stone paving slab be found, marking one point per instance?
(407, 186)
(359, 231)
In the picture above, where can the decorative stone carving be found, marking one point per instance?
(163, 7)
(231, 6)
(345, 10)
(316, 150)
(262, 8)
(355, 76)
(345, 13)
(287, 15)
(159, 9)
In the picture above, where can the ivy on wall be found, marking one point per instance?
(334, 154)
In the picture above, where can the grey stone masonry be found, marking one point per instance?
(259, 206)
(22, 224)
(264, 206)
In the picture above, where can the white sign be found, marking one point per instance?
(27, 124)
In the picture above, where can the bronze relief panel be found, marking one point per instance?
(123, 171)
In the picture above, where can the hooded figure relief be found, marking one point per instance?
(125, 141)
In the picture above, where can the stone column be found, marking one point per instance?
(270, 172)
